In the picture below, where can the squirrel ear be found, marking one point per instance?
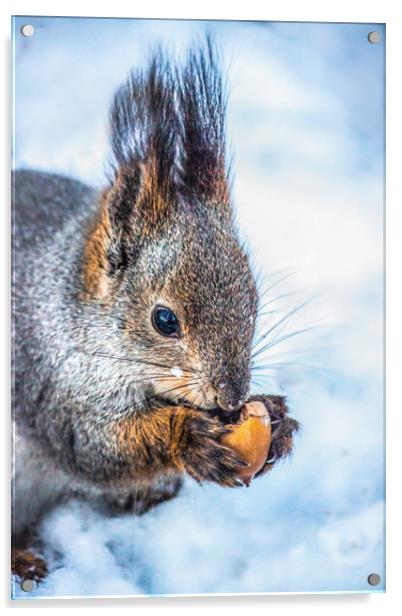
(129, 212)
(203, 100)
(168, 140)
(142, 192)
(144, 133)
(99, 247)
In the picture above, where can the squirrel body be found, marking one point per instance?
(134, 307)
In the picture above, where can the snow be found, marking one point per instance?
(306, 126)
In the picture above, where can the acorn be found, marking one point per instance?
(251, 438)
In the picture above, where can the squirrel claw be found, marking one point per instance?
(282, 435)
(203, 455)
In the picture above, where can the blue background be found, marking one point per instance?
(306, 126)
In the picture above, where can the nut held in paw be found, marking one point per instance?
(251, 438)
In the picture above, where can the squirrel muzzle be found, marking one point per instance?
(231, 395)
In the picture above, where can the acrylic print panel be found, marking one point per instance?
(155, 297)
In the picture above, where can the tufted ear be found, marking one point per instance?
(142, 193)
(203, 100)
(168, 142)
(144, 134)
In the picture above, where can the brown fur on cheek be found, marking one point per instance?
(150, 202)
(96, 265)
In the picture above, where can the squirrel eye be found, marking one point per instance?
(165, 322)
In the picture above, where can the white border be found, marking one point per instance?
(380, 11)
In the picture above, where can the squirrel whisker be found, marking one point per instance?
(153, 377)
(178, 387)
(283, 320)
(286, 337)
(263, 314)
(139, 361)
(276, 365)
(288, 275)
(275, 299)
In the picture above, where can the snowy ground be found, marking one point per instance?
(306, 126)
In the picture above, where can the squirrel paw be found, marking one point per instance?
(202, 454)
(27, 566)
(283, 429)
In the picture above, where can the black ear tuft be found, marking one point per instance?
(144, 135)
(168, 138)
(203, 101)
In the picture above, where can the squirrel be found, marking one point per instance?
(134, 310)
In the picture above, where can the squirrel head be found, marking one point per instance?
(163, 255)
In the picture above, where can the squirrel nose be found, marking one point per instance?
(228, 406)
(227, 399)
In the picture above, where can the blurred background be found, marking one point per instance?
(306, 129)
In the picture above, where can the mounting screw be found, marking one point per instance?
(374, 579)
(27, 585)
(27, 30)
(374, 37)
